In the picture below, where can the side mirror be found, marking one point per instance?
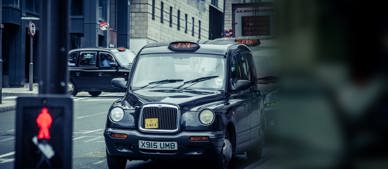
(120, 83)
(241, 84)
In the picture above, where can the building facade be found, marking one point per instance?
(15, 41)
(170, 20)
(99, 23)
(107, 23)
(94, 23)
(249, 18)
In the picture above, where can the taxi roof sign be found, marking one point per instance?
(248, 42)
(121, 49)
(183, 46)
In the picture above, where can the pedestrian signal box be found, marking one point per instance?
(44, 127)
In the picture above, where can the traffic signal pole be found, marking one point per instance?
(55, 24)
(1, 52)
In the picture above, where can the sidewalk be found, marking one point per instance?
(10, 95)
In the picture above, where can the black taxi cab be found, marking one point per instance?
(92, 69)
(186, 100)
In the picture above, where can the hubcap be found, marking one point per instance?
(227, 151)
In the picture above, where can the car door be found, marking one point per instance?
(84, 73)
(255, 102)
(240, 100)
(109, 69)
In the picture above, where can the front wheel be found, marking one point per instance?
(224, 158)
(95, 93)
(72, 90)
(115, 162)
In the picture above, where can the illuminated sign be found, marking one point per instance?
(183, 46)
(248, 42)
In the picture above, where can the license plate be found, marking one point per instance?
(151, 123)
(157, 145)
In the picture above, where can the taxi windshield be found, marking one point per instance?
(184, 66)
(125, 57)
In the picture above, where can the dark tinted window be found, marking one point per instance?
(199, 29)
(153, 9)
(161, 11)
(77, 7)
(170, 16)
(240, 69)
(192, 26)
(185, 23)
(87, 59)
(106, 60)
(72, 60)
(179, 20)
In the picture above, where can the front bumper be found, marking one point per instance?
(129, 147)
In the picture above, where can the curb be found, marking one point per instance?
(7, 108)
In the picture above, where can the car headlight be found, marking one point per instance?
(206, 117)
(116, 114)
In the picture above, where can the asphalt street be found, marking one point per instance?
(88, 142)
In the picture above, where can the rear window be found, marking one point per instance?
(88, 59)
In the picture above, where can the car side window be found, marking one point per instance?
(106, 60)
(72, 59)
(239, 69)
(88, 59)
(245, 67)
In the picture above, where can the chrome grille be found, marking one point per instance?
(167, 115)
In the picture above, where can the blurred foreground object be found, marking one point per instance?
(334, 105)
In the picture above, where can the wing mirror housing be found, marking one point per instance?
(241, 84)
(120, 83)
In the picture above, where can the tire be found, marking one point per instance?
(72, 90)
(95, 93)
(116, 162)
(225, 157)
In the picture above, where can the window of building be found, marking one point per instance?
(153, 9)
(192, 26)
(161, 11)
(101, 13)
(12, 3)
(170, 16)
(77, 7)
(32, 5)
(199, 29)
(214, 2)
(112, 15)
(178, 20)
(185, 23)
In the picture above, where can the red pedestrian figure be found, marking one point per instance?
(44, 121)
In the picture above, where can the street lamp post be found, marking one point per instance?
(31, 32)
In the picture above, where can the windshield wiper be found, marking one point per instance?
(194, 81)
(160, 82)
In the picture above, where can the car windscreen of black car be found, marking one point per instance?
(185, 66)
(124, 58)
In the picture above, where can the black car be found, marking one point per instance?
(187, 100)
(92, 69)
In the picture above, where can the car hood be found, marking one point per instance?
(183, 98)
